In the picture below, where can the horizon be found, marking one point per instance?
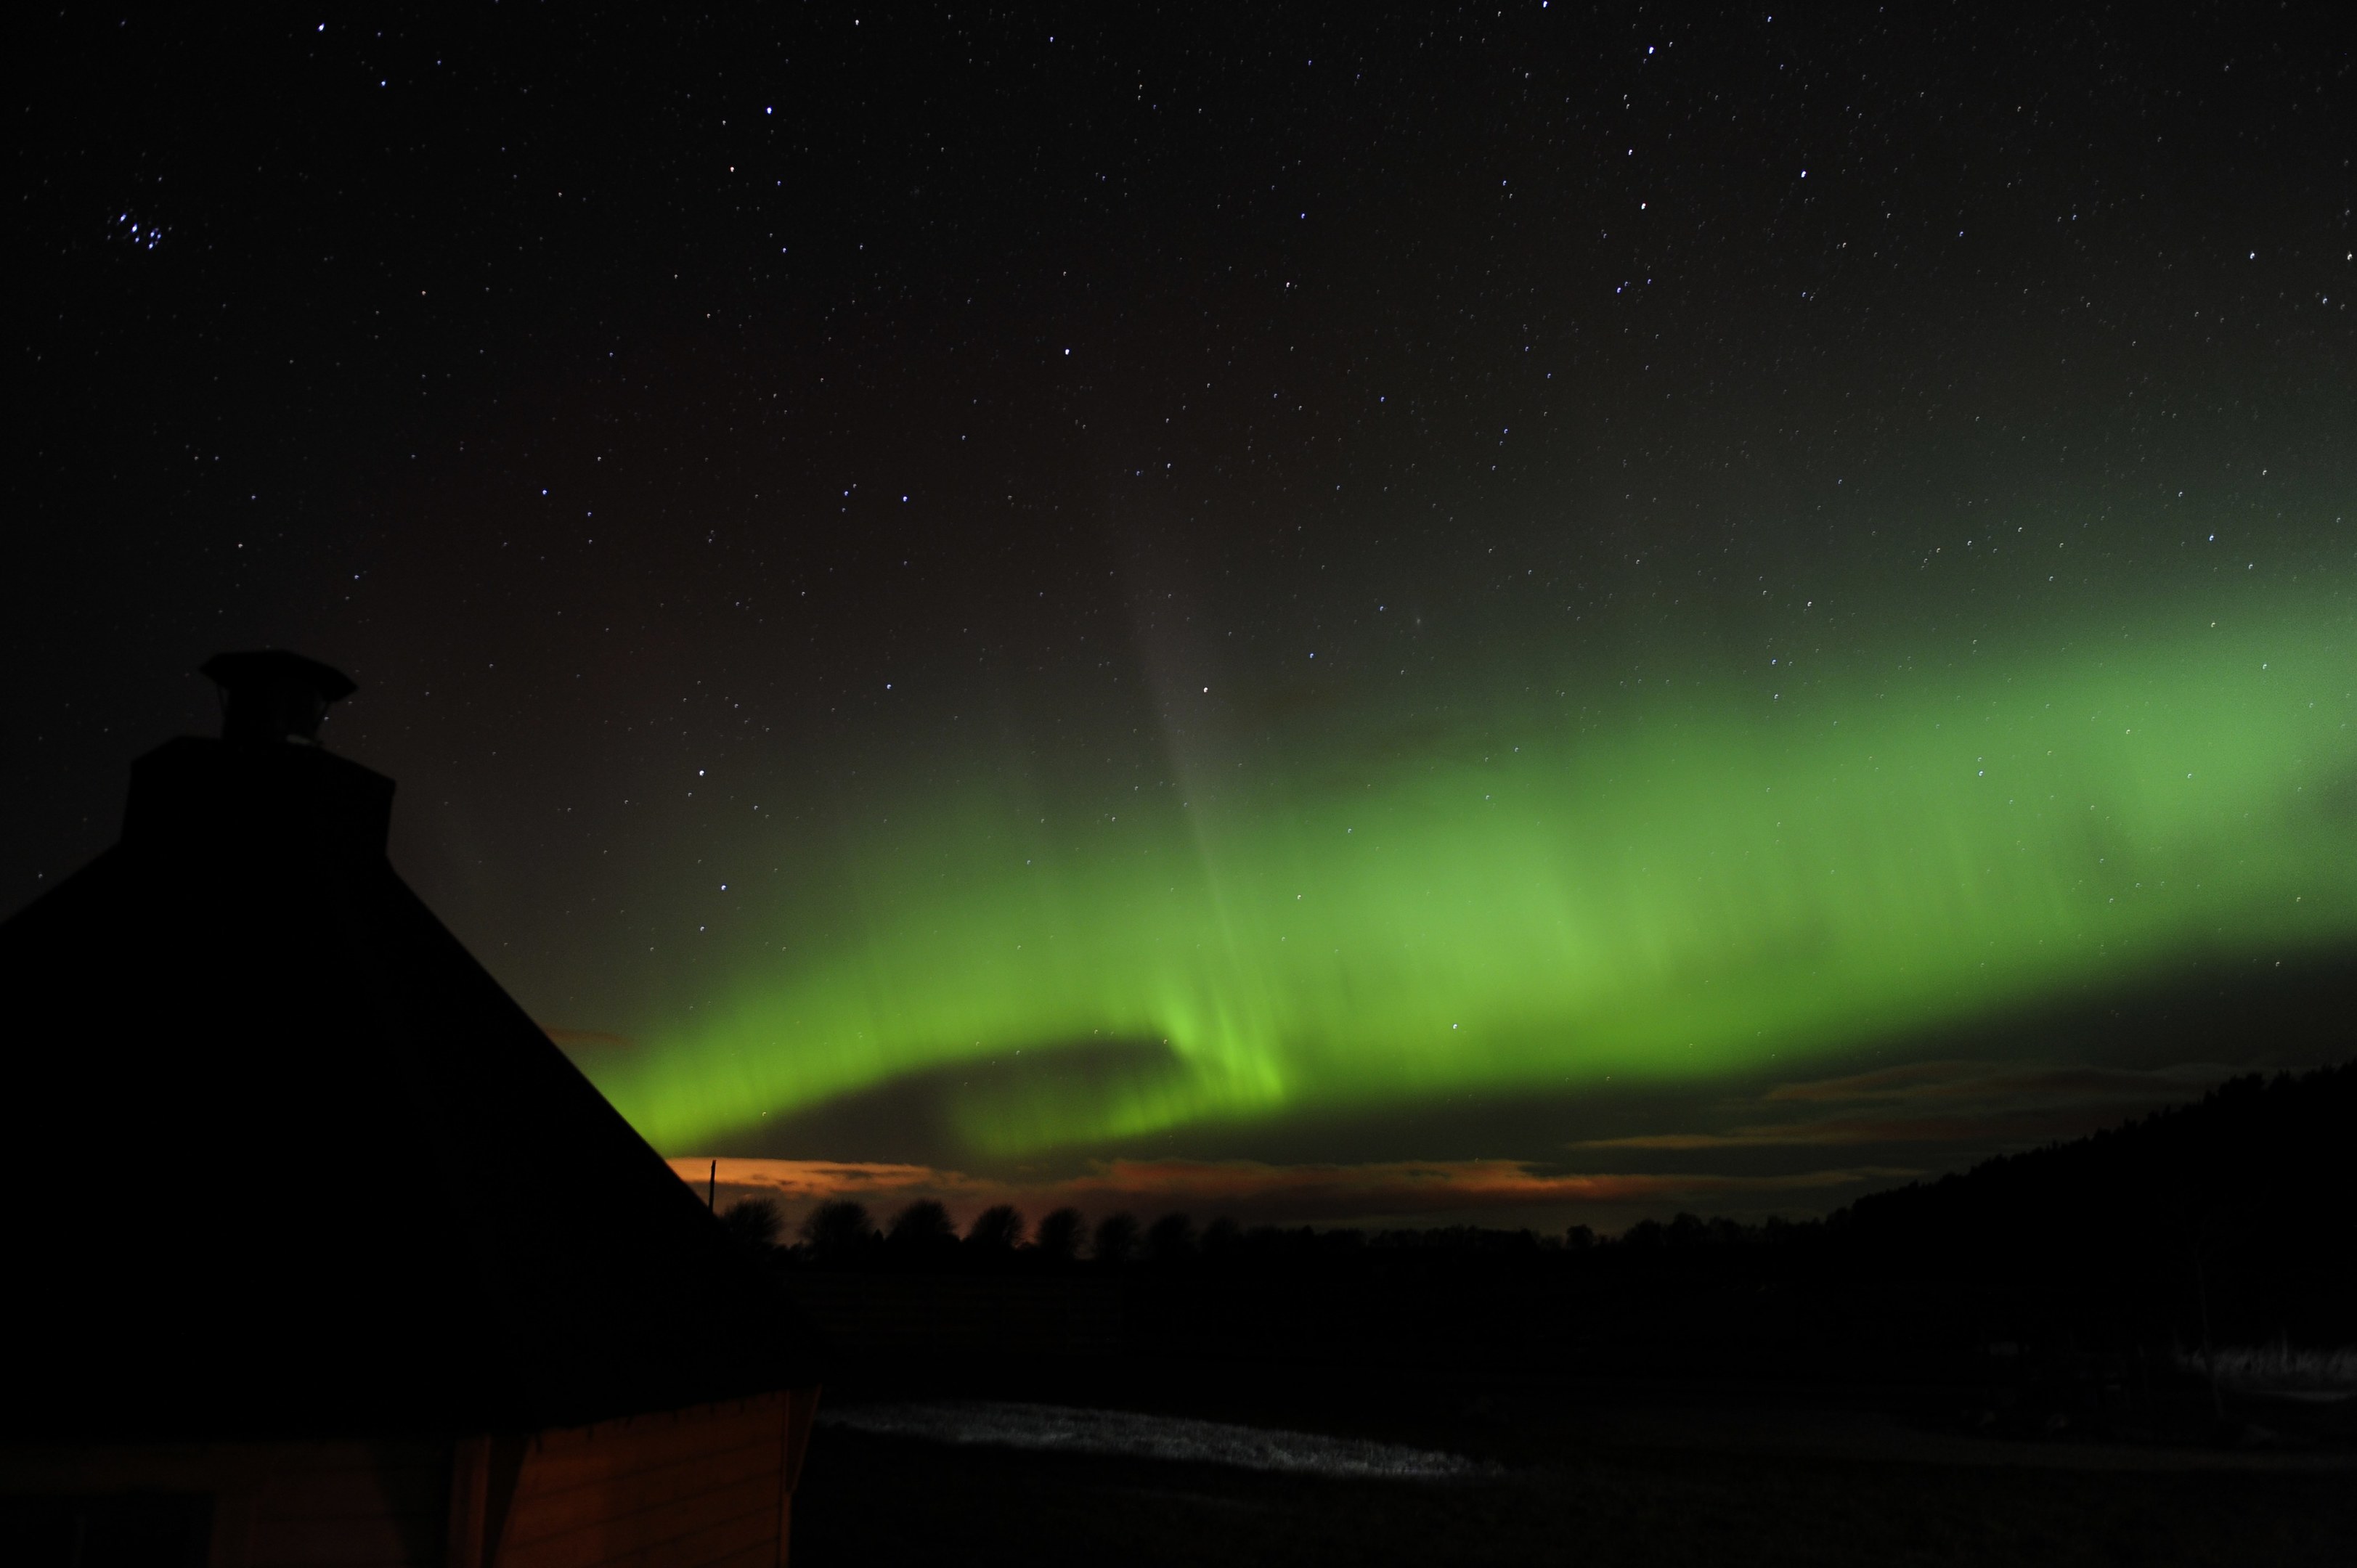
(1498, 1196)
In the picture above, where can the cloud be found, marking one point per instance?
(1953, 1111)
(795, 1180)
(1422, 1187)
(1839, 1131)
(1940, 1081)
(1258, 1192)
(1975, 1105)
(1945, 1102)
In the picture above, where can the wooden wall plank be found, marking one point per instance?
(551, 1475)
(628, 1532)
(693, 1538)
(689, 1431)
(536, 1513)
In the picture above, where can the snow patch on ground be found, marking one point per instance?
(1136, 1436)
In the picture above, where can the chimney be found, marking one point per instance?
(265, 793)
(270, 696)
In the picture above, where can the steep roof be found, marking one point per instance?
(283, 1159)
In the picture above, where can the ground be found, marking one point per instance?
(1583, 1475)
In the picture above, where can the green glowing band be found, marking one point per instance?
(1726, 871)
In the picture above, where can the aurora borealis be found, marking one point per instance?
(1745, 867)
(1534, 610)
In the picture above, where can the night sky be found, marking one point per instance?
(1529, 613)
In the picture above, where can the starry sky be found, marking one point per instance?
(1529, 613)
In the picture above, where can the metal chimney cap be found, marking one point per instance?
(271, 695)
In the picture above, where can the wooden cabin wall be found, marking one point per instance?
(706, 1487)
(378, 1505)
(710, 1486)
(275, 1505)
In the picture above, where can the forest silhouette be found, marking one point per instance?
(2077, 1277)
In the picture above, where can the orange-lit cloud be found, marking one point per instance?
(798, 1180)
(1963, 1110)
(1255, 1192)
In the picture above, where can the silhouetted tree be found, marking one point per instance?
(998, 1228)
(1059, 1236)
(755, 1221)
(1171, 1239)
(923, 1228)
(838, 1229)
(1340, 1243)
(1222, 1237)
(1580, 1238)
(1116, 1239)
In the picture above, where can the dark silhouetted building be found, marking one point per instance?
(317, 1248)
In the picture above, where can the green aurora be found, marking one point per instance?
(1725, 867)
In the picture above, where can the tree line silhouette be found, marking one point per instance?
(842, 1233)
(2227, 1218)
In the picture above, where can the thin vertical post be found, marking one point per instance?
(712, 1192)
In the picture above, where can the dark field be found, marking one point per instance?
(1997, 1368)
(1592, 1476)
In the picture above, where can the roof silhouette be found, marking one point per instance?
(283, 1159)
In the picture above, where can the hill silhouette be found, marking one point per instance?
(2237, 1206)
